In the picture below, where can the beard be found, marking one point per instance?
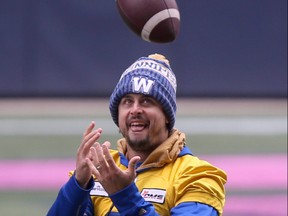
(138, 145)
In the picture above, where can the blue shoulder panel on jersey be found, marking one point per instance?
(185, 151)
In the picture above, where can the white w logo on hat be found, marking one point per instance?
(142, 85)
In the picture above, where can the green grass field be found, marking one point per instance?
(65, 146)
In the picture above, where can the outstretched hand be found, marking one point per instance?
(83, 171)
(111, 177)
(95, 159)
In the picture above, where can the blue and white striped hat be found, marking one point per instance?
(151, 76)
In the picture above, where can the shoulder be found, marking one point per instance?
(186, 158)
(119, 158)
(191, 163)
(201, 180)
(115, 154)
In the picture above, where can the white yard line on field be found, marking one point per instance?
(271, 125)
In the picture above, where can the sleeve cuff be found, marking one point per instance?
(133, 203)
(75, 192)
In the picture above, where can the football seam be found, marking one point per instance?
(156, 19)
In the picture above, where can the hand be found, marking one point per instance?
(83, 171)
(111, 177)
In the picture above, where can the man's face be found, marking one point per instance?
(142, 122)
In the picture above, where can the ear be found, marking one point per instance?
(166, 120)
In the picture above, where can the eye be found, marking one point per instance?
(126, 101)
(147, 101)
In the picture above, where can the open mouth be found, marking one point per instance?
(137, 126)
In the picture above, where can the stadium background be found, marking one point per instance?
(60, 61)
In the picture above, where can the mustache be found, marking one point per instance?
(136, 117)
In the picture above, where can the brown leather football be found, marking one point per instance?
(153, 20)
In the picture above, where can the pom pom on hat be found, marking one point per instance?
(159, 57)
(151, 76)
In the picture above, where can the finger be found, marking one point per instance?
(89, 140)
(132, 163)
(89, 129)
(108, 157)
(100, 156)
(90, 133)
(94, 157)
(93, 169)
(108, 144)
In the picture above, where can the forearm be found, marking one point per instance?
(194, 208)
(71, 200)
(130, 202)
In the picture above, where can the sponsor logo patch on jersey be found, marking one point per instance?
(98, 190)
(154, 195)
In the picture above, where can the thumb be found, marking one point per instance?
(132, 163)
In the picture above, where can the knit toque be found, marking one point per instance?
(151, 76)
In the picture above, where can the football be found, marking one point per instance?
(153, 20)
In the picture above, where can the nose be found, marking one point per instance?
(136, 109)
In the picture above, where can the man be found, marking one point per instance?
(153, 172)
